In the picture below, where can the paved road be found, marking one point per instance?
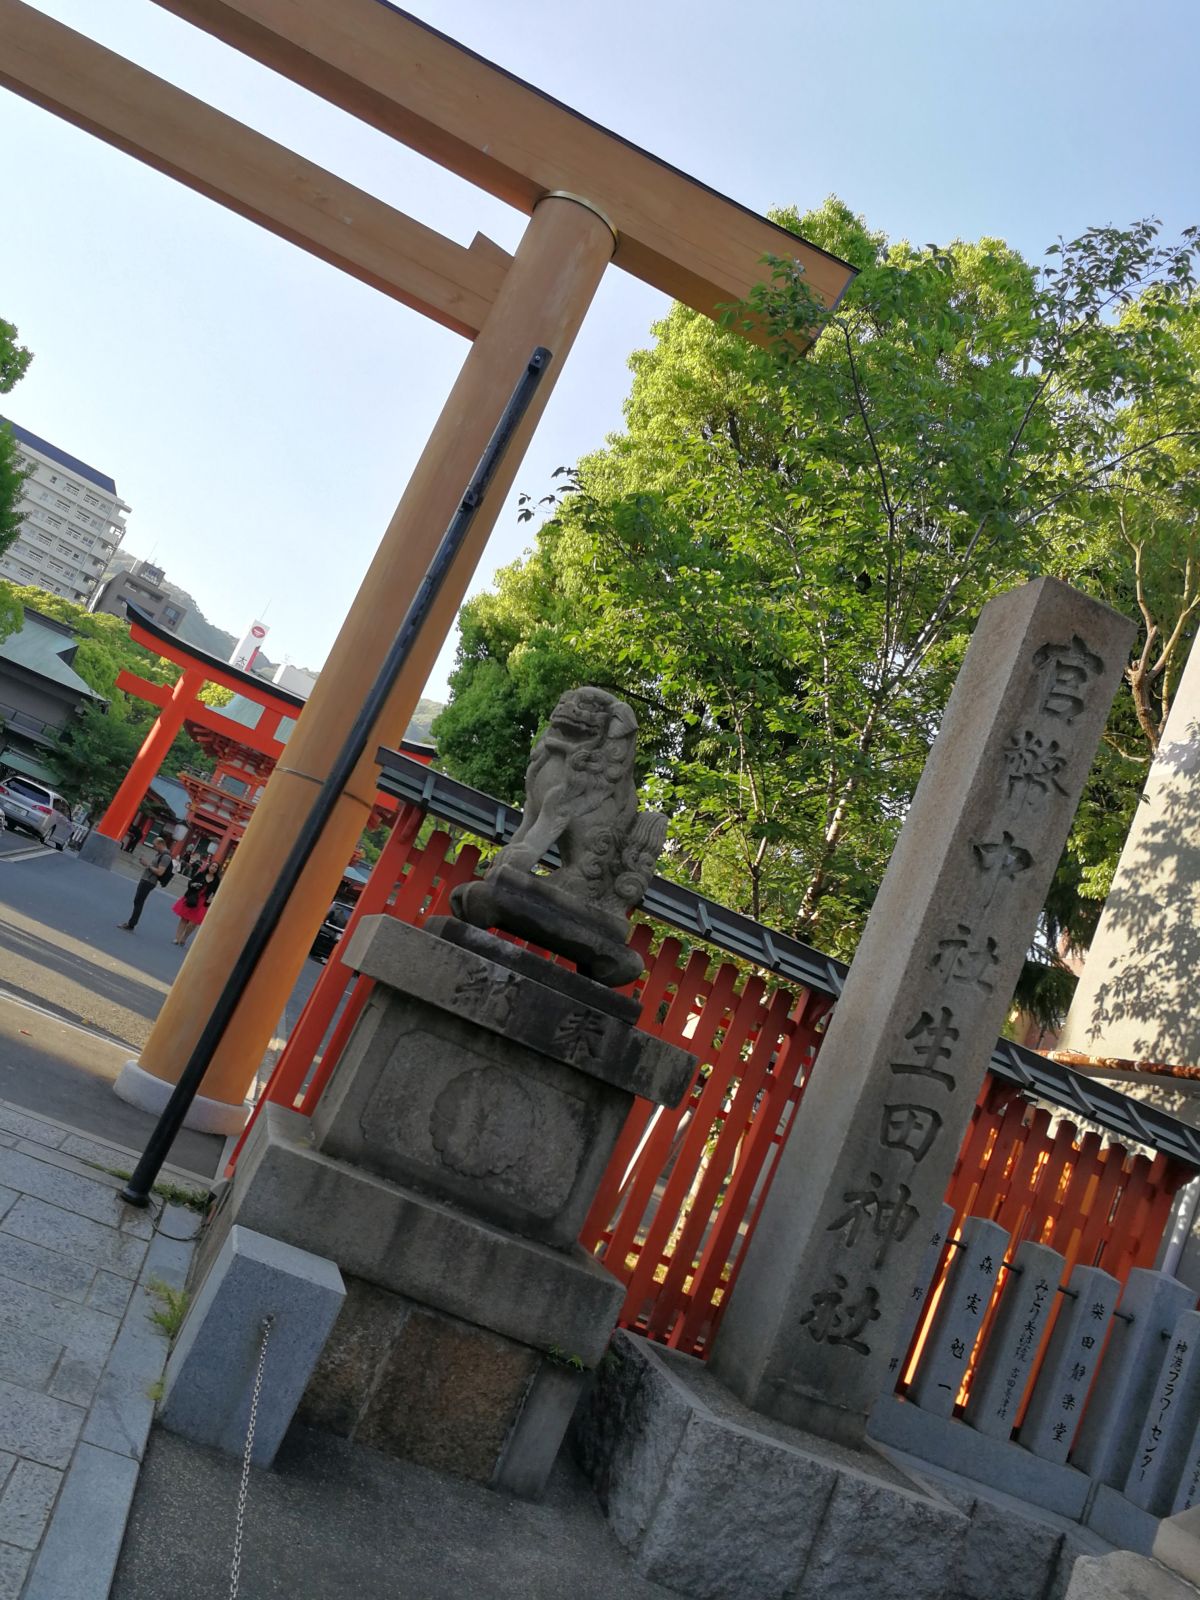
(78, 995)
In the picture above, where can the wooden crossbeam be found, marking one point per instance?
(79, 80)
(500, 133)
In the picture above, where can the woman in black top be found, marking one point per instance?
(192, 905)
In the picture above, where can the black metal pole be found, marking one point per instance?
(137, 1191)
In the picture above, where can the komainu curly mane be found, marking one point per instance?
(579, 795)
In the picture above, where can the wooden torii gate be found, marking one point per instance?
(592, 198)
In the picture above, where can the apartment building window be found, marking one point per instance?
(71, 488)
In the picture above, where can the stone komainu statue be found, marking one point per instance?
(580, 797)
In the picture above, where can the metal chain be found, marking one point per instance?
(235, 1576)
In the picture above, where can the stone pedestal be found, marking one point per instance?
(713, 1500)
(479, 1084)
(447, 1173)
(99, 850)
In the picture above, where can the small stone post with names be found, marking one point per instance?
(1027, 1299)
(809, 1333)
(962, 1310)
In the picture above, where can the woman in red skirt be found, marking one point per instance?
(192, 905)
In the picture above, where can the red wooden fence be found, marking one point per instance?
(684, 1189)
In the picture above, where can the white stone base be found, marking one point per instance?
(142, 1089)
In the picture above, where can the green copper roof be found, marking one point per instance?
(39, 647)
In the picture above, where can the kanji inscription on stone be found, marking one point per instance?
(1028, 1295)
(884, 1214)
(579, 1036)
(960, 958)
(909, 1127)
(1069, 1363)
(810, 1333)
(931, 1037)
(837, 1318)
(1033, 765)
(1169, 1422)
(1000, 861)
(1070, 669)
(489, 999)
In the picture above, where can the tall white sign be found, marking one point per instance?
(248, 646)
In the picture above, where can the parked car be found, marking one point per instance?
(32, 806)
(331, 930)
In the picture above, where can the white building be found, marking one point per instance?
(72, 519)
(294, 679)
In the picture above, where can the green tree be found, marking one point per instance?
(1130, 535)
(96, 748)
(104, 648)
(95, 752)
(780, 560)
(14, 362)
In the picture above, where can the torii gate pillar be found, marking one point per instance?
(545, 296)
(592, 197)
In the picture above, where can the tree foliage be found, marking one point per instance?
(14, 362)
(97, 746)
(780, 560)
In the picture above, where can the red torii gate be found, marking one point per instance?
(179, 704)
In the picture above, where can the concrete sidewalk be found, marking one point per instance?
(79, 1355)
(63, 1073)
(336, 1521)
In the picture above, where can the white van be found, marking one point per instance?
(31, 805)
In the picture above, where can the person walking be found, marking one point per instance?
(192, 905)
(159, 869)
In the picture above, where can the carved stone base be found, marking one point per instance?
(485, 1086)
(531, 965)
(459, 1346)
(412, 1382)
(534, 909)
(447, 1172)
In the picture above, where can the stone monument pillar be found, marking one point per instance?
(811, 1329)
(460, 1142)
(1136, 999)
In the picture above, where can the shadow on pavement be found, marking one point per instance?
(335, 1521)
(63, 1072)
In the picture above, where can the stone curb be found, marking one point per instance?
(82, 1542)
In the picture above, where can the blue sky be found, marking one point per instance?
(261, 412)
